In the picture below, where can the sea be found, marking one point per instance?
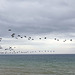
(40, 64)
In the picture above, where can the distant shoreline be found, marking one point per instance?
(35, 54)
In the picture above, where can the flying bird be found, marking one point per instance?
(64, 40)
(25, 36)
(6, 48)
(13, 34)
(21, 37)
(9, 29)
(57, 39)
(0, 39)
(16, 38)
(45, 37)
(70, 39)
(29, 37)
(18, 35)
(32, 39)
(54, 38)
(40, 38)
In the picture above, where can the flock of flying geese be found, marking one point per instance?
(29, 38)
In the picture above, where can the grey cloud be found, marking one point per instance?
(40, 16)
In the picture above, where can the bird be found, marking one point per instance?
(0, 39)
(53, 51)
(10, 48)
(54, 38)
(18, 35)
(40, 38)
(6, 48)
(32, 39)
(39, 51)
(29, 37)
(25, 36)
(13, 34)
(21, 37)
(16, 38)
(44, 37)
(70, 39)
(45, 51)
(64, 40)
(35, 51)
(9, 29)
(5, 52)
(57, 39)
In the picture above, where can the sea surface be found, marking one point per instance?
(61, 64)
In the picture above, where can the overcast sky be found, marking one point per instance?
(39, 18)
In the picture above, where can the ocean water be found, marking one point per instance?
(37, 64)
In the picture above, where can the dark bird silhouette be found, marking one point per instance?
(35, 51)
(5, 52)
(6, 48)
(13, 34)
(0, 39)
(57, 39)
(32, 39)
(25, 36)
(53, 51)
(21, 37)
(45, 37)
(70, 39)
(10, 48)
(39, 51)
(16, 38)
(54, 38)
(9, 29)
(64, 40)
(29, 37)
(45, 51)
(40, 38)
(18, 35)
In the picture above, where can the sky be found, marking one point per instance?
(38, 18)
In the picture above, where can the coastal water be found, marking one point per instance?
(37, 64)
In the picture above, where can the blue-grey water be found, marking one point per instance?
(37, 64)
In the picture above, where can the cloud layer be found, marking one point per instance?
(38, 18)
(45, 16)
